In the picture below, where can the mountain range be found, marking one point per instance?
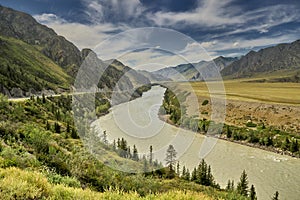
(277, 63)
(282, 59)
(35, 60)
(202, 70)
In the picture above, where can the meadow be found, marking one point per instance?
(247, 90)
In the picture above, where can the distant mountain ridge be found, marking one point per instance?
(269, 60)
(280, 63)
(196, 71)
(33, 58)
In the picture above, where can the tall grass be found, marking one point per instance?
(20, 184)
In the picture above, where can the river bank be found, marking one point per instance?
(268, 171)
(166, 118)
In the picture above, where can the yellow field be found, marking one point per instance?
(282, 93)
(276, 104)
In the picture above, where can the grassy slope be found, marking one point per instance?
(32, 185)
(23, 66)
(36, 161)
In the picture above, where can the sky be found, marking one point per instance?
(182, 30)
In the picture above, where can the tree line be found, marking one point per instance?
(202, 174)
(258, 134)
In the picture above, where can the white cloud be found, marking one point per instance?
(83, 36)
(195, 52)
(150, 47)
(208, 13)
(220, 15)
(263, 19)
(119, 44)
(249, 44)
(208, 44)
(95, 9)
(101, 10)
(153, 59)
(236, 44)
(46, 18)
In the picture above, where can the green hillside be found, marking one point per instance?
(24, 27)
(42, 157)
(23, 66)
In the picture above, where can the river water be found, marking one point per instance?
(138, 123)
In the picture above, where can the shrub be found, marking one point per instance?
(55, 178)
(250, 124)
(39, 139)
(18, 184)
(205, 102)
(3, 102)
(17, 158)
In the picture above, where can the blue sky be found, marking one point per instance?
(222, 27)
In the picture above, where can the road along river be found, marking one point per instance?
(137, 121)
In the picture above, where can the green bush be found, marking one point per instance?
(250, 124)
(18, 184)
(3, 102)
(205, 102)
(55, 178)
(38, 138)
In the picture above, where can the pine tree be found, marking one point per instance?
(123, 144)
(242, 186)
(56, 127)
(38, 99)
(210, 178)
(151, 155)
(104, 136)
(202, 173)
(145, 165)
(68, 128)
(276, 196)
(47, 126)
(135, 155)
(119, 143)
(128, 153)
(114, 145)
(183, 172)
(122, 148)
(187, 175)
(178, 169)
(43, 98)
(170, 157)
(252, 194)
(194, 175)
(228, 186)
